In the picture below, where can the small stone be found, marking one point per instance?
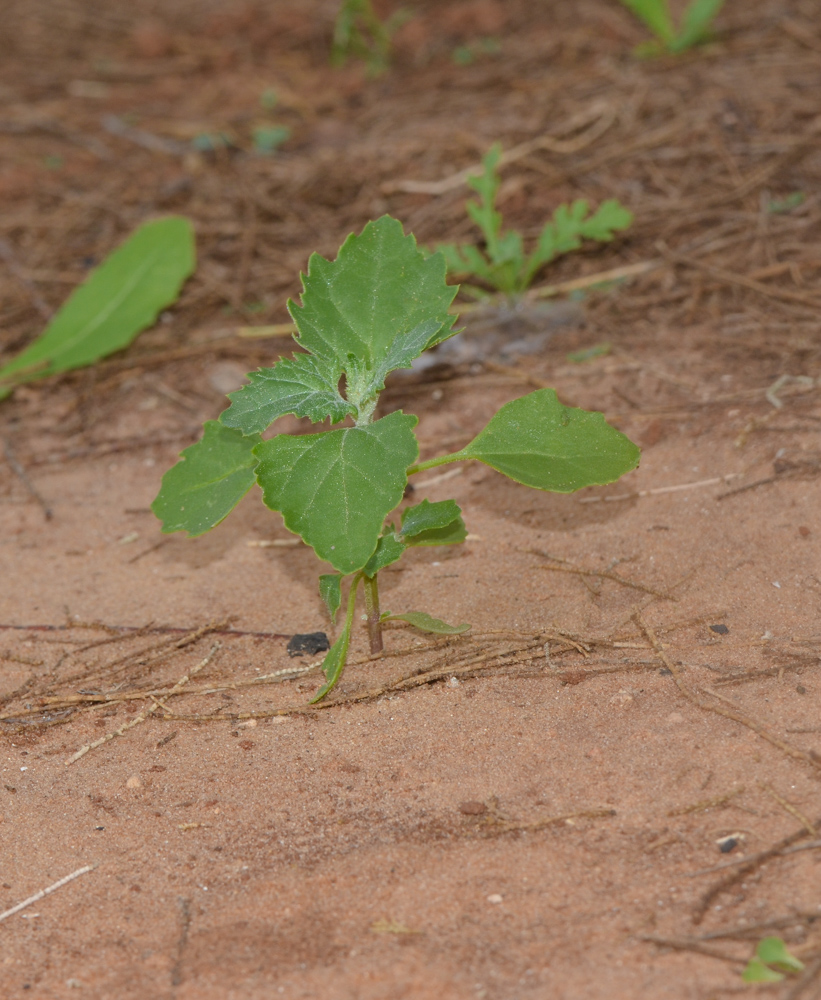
(134, 782)
(494, 898)
(308, 644)
(472, 808)
(720, 629)
(675, 718)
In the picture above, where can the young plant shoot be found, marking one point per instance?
(695, 25)
(374, 309)
(503, 264)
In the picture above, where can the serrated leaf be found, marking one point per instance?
(427, 623)
(389, 549)
(335, 489)
(378, 290)
(541, 443)
(773, 951)
(757, 972)
(303, 385)
(330, 590)
(210, 479)
(122, 297)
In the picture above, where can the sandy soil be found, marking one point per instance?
(535, 810)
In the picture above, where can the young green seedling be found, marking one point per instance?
(374, 309)
(122, 297)
(504, 264)
(695, 24)
(770, 962)
(359, 33)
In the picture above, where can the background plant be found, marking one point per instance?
(504, 264)
(121, 298)
(770, 962)
(360, 33)
(374, 309)
(695, 27)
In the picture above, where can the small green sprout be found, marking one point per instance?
(770, 962)
(360, 34)
(778, 206)
(122, 297)
(695, 26)
(268, 138)
(374, 309)
(503, 264)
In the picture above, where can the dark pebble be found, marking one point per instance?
(308, 644)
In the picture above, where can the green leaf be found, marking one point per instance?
(122, 297)
(757, 972)
(426, 623)
(433, 524)
(333, 664)
(656, 15)
(695, 27)
(335, 489)
(541, 443)
(426, 516)
(389, 549)
(210, 479)
(773, 951)
(304, 385)
(378, 290)
(330, 590)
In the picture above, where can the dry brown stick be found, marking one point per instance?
(147, 711)
(20, 472)
(790, 808)
(728, 713)
(607, 575)
(806, 979)
(705, 804)
(691, 944)
(811, 845)
(540, 824)
(782, 294)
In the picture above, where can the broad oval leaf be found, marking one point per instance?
(539, 442)
(336, 489)
(426, 516)
(303, 385)
(378, 290)
(389, 549)
(427, 623)
(210, 479)
(122, 297)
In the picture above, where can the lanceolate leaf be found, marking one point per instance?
(427, 623)
(379, 288)
(210, 479)
(122, 297)
(695, 26)
(656, 15)
(334, 663)
(304, 385)
(541, 443)
(335, 489)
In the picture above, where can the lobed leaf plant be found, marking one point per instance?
(122, 297)
(504, 264)
(374, 309)
(695, 27)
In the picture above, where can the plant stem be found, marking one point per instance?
(372, 609)
(431, 463)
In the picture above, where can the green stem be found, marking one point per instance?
(457, 456)
(371, 586)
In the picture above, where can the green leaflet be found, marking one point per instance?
(427, 516)
(379, 288)
(427, 623)
(330, 590)
(210, 479)
(122, 297)
(541, 443)
(656, 15)
(334, 662)
(695, 26)
(425, 524)
(389, 549)
(335, 489)
(304, 385)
